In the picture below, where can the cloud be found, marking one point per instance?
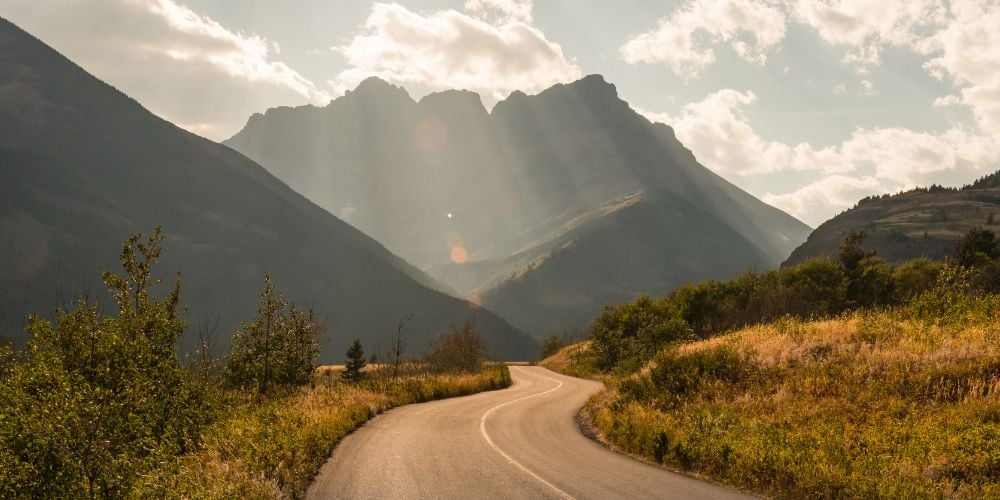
(912, 158)
(722, 139)
(819, 200)
(170, 58)
(867, 25)
(968, 56)
(501, 11)
(870, 160)
(750, 27)
(449, 49)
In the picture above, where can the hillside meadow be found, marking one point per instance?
(901, 403)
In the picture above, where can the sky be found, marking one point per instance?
(808, 104)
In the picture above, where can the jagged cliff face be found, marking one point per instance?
(480, 198)
(82, 166)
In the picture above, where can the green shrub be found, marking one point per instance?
(626, 336)
(277, 348)
(460, 350)
(97, 400)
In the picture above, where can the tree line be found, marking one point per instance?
(624, 337)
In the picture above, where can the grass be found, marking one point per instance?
(272, 449)
(873, 404)
(574, 360)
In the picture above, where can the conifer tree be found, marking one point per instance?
(355, 362)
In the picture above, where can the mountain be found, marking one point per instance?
(82, 166)
(477, 197)
(923, 222)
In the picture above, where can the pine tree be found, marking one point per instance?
(355, 362)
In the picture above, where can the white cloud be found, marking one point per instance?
(970, 58)
(449, 49)
(914, 158)
(722, 139)
(869, 24)
(750, 27)
(163, 53)
(501, 11)
(867, 88)
(945, 101)
(819, 200)
(654, 116)
(840, 89)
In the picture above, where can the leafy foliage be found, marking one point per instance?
(96, 400)
(278, 348)
(626, 336)
(458, 350)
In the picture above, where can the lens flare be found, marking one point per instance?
(475, 300)
(430, 135)
(459, 255)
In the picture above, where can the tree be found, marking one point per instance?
(976, 248)
(277, 348)
(458, 350)
(399, 345)
(97, 400)
(915, 277)
(355, 362)
(850, 251)
(551, 345)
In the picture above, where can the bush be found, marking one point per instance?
(914, 278)
(278, 348)
(96, 400)
(460, 350)
(626, 336)
(551, 345)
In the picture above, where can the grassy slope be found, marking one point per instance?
(272, 450)
(908, 225)
(862, 406)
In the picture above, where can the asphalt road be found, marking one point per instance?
(520, 442)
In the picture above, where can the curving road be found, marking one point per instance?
(520, 442)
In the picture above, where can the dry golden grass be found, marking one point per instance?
(868, 405)
(272, 448)
(574, 360)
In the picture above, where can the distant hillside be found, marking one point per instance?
(82, 166)
(498, 190)
(924, 222)
(649, 242)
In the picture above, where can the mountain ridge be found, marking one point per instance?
(95, 166)
(426, 177)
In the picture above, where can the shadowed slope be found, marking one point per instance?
(504, 187)
(82, 166)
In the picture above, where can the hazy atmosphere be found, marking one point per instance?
(310, 249)
(808, 104)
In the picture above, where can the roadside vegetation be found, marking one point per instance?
(102, 405)
(846, 378)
